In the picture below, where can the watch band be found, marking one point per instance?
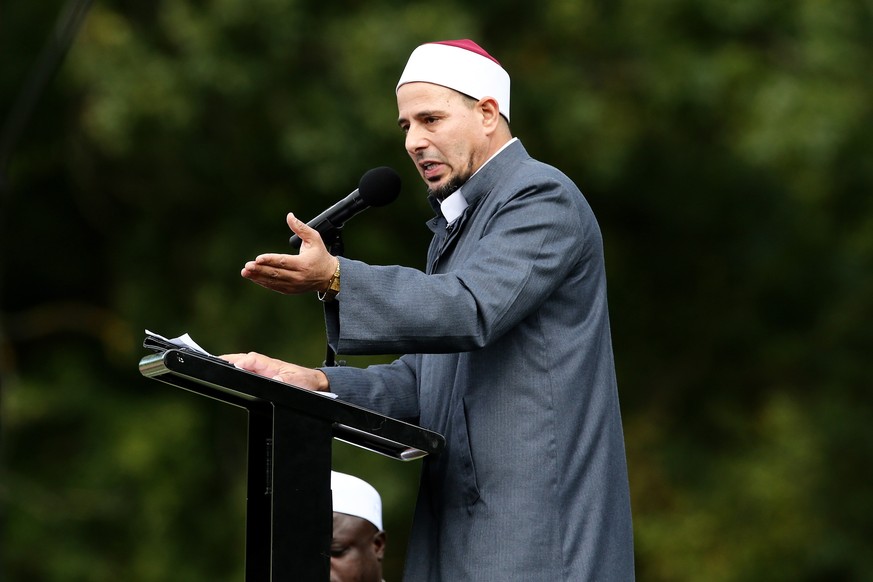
(333, 286)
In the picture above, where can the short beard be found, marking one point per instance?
(448, 188)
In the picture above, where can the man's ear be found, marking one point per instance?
(490, 112)
(379, 541)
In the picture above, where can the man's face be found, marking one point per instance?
(445, 135)
(356, 551)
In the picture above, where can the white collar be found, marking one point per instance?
(453, 206)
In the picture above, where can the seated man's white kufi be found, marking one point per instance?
(354, 496)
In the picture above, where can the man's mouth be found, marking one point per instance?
(431, 170)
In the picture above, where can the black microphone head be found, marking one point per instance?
(379, 186)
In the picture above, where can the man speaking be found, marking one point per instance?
(506, 340)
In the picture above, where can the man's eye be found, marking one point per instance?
(338, 551)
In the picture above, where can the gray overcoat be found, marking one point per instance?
(509, 356)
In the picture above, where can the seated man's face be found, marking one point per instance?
(356, 550)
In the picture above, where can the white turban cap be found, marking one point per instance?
(461, 65)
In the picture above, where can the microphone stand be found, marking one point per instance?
(333, 240)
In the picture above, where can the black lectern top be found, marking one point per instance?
(215, 378)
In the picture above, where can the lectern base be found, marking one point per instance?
(289, 509)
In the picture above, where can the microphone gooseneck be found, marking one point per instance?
(377, 187)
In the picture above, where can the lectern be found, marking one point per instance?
(289, 506)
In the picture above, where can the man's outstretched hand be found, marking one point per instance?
(310, 270)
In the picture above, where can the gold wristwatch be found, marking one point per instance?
(333, 286)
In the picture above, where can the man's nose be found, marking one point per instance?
(415, 140)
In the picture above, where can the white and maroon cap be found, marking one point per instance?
(461, 65)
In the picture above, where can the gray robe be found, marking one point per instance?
(509, 356)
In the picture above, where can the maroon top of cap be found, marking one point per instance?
(468, 45)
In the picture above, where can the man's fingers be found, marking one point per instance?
(271, 260)
(245, 361)
(293, 274)
(307, 234)
(254, 362)
(232, 358)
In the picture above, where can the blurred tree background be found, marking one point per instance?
(724, 145)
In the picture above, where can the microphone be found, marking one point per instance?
(378, 187)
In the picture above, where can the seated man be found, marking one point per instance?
(358, 544)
